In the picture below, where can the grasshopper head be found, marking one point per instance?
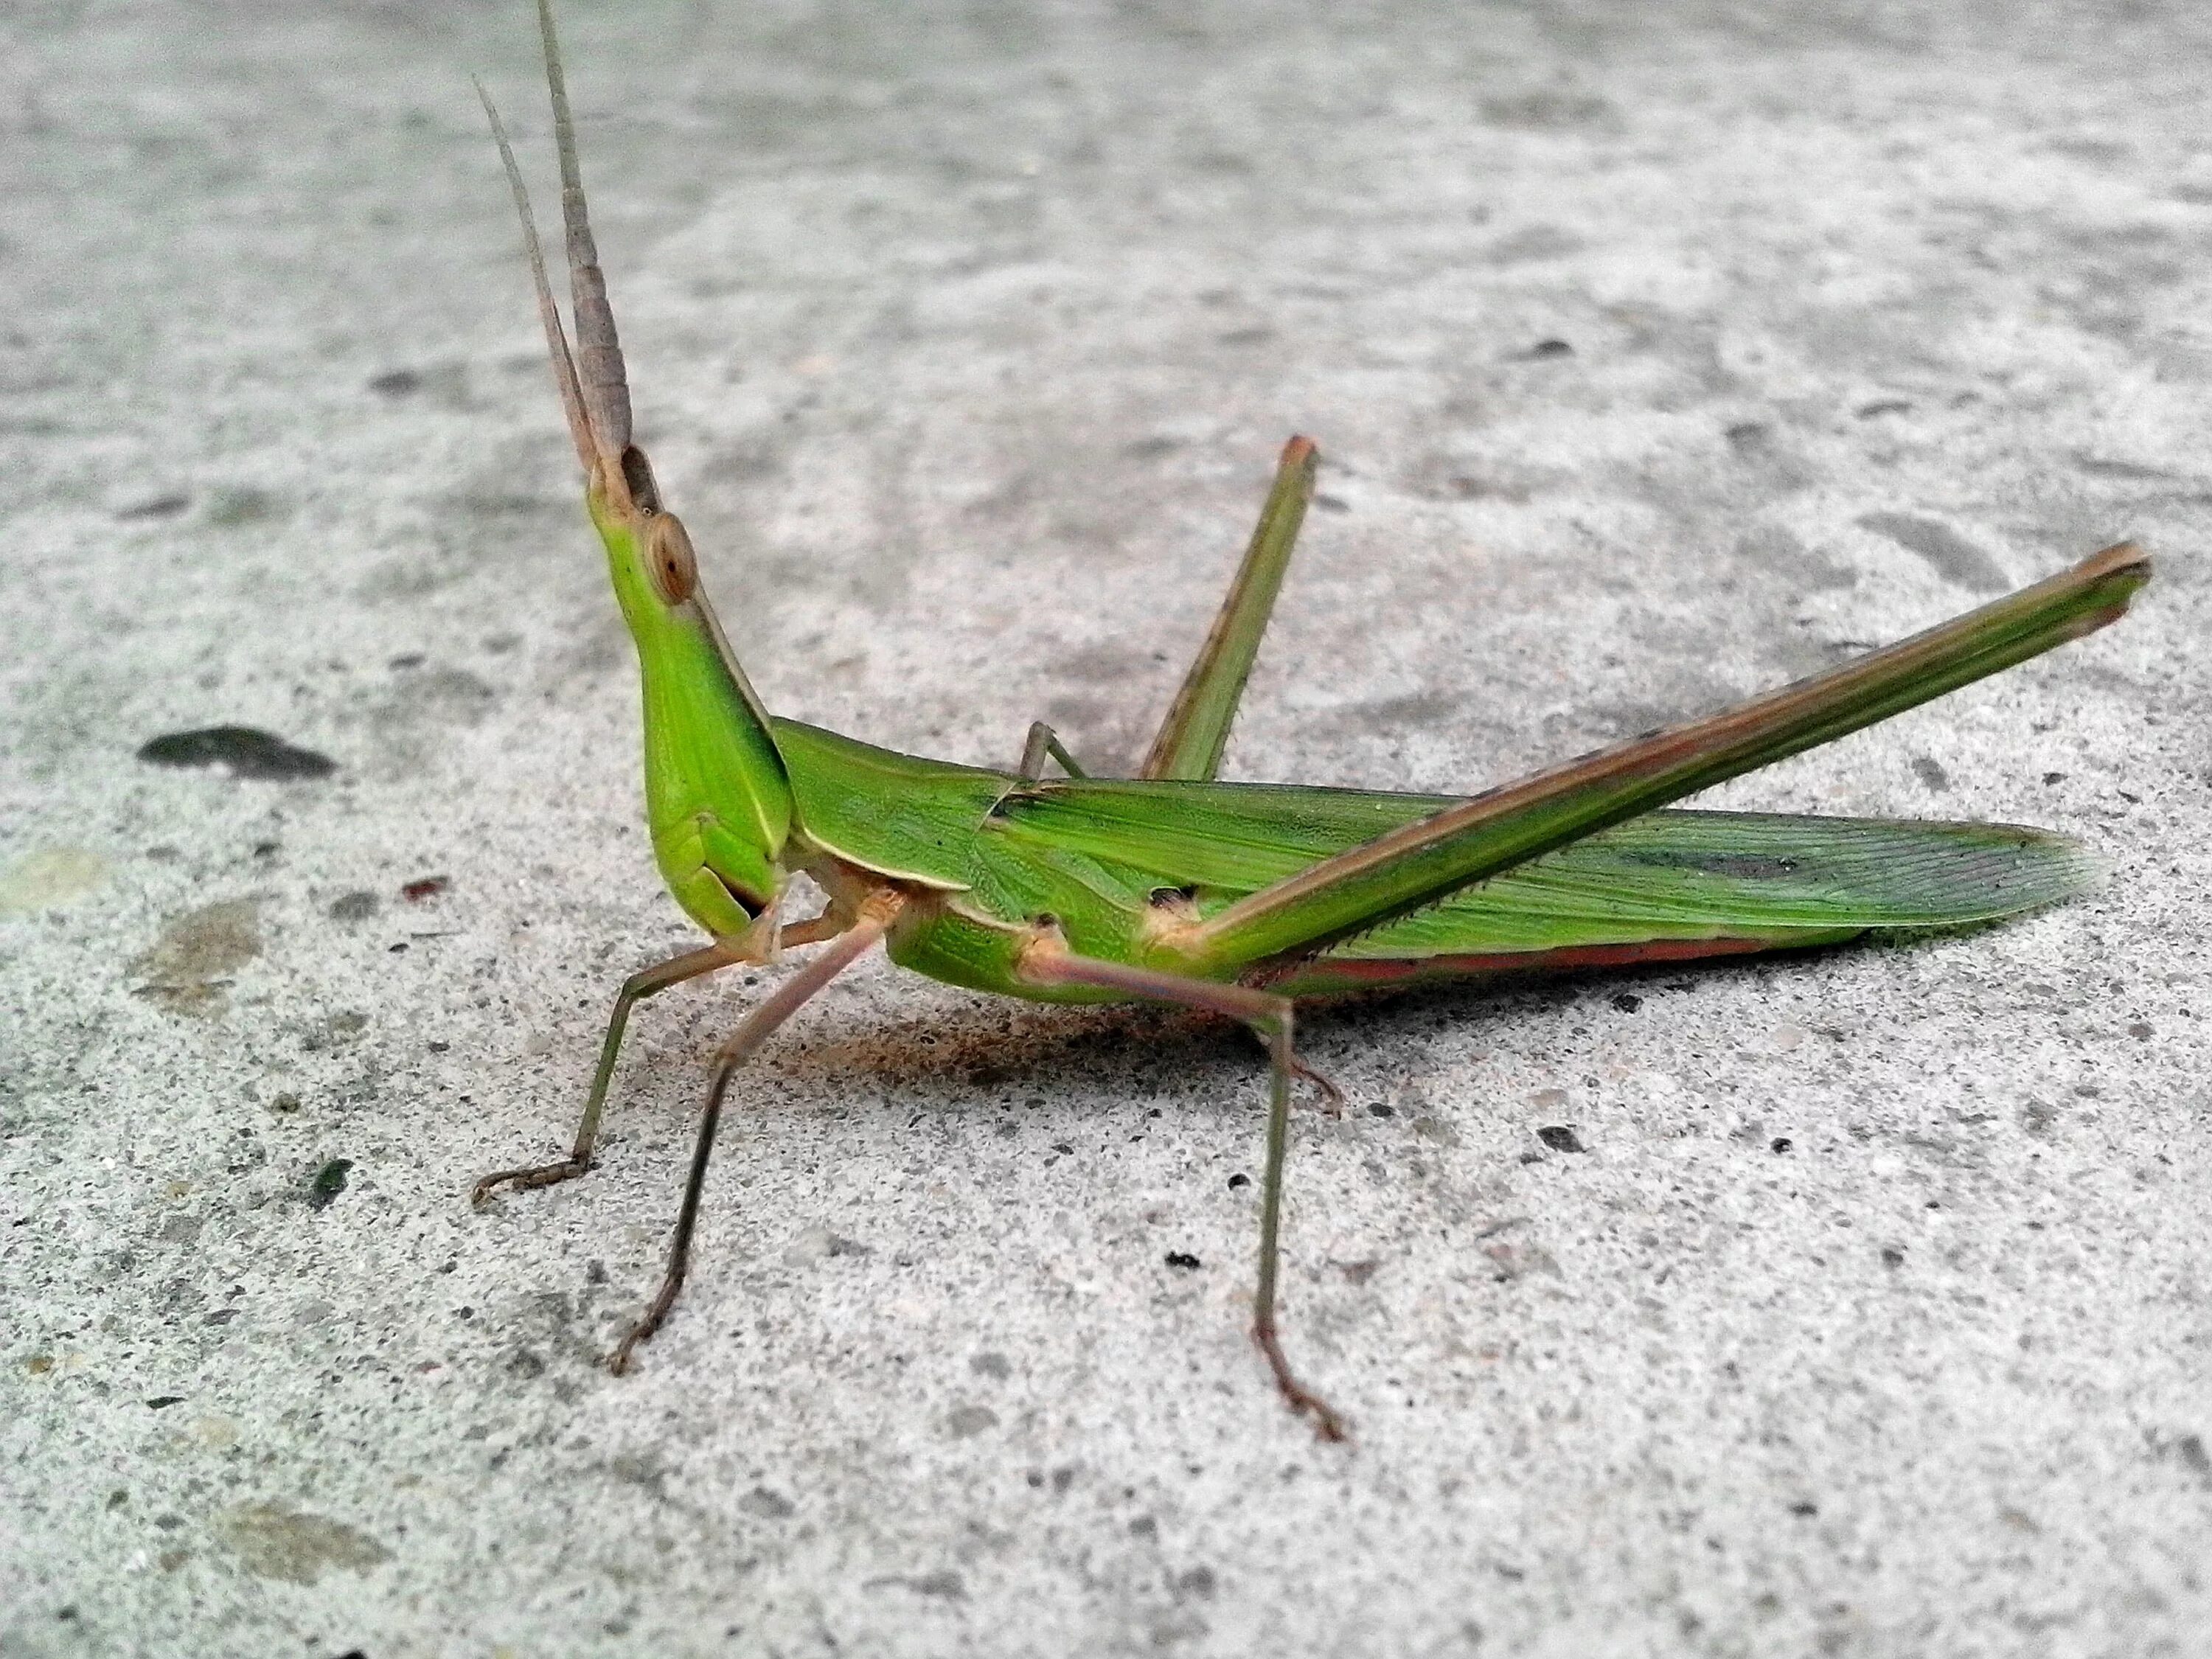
(717, 793)
(649, 557)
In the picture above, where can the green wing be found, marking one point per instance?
(1669, 884)
(1676, 884)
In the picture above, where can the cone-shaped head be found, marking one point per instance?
(717, 794)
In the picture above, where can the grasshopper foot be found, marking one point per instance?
(1328, 1421)
(619, 1361)
(539, 1174)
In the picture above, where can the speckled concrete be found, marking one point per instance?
(1872, 1318)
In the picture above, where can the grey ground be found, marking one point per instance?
(964, 336)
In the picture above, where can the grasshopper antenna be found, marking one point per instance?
(557, 338)
(604, 381)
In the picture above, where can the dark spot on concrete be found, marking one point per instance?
(1385, 713)
(188, 970)
(440, 694)
(1746, 436)
(2050, 778)
(2097, 152)
(1950, 555)
(1182, 1260)
(1546, 111)
(1931, 773)
(2140, 1032)
(356, 906)
(161, 1402)
(993, 1365)
(1781, 1143)
(1466, 487)
(1803, 1508)
(1627, 1001)
(767, 1505)
(328, 1182)
(285, 1102)
(2098, 467)
(1151, 449)
(945, 1582)
(158, 507)
(1198, 1582)
(1561, 1137)
(238, 507)
(963, 1421)
(295, 1547)
(406, 660)
(1883, 406)
(425, 887)
(2192, 1449)
(1551, 348)
(640, 1469)
(1236, 1181)
(248, 751)
(1378, 1109)
(1534, 245)
(334, 1031)
(396, 383)
(1892, 1256)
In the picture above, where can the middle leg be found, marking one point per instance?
(1044, 741)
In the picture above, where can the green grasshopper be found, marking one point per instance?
(1238, 899)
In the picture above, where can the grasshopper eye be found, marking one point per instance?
(668, 550)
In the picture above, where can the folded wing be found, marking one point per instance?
(1669, 886)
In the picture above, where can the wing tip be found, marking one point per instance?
(2057, 867)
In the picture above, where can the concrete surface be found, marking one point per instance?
(964, 336)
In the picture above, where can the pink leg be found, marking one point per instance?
(877, 913)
